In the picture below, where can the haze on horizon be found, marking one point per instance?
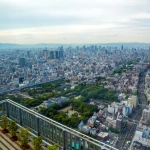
(74, 21)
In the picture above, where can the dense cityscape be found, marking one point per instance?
(99, 91)
(74, 75)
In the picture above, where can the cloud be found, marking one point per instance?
(74, 20)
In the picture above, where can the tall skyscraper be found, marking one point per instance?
(22, 62)
(51, 54)
(56, 54)
(39, 54)
(122, 47)
(61, 48)
(45, 52)
(28, 54)
(61, 54)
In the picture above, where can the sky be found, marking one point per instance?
(74, 21)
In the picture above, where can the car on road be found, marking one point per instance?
(112, 142)
(137, 144)
(128, 143)
(107, 141)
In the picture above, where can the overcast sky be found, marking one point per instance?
(74, 21)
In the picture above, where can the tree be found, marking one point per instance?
(4, 122)
(37, 143)
(52, 147)
(24, 136)
(68, 81)
(114, 130)
(12, 127)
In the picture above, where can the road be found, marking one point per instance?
(128, 133)
(122, 137)
(143, 102)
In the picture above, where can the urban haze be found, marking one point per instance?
(74, 75)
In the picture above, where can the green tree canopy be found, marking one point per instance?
(24, 136)
(4, 122)
(12, 127)
(53, 147)
(37, 143)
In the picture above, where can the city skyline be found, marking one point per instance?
(100, 91)
(25, 22)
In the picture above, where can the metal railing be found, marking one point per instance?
(67, 131)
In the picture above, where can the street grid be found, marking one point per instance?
(128, 133)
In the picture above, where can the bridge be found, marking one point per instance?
(51, 131)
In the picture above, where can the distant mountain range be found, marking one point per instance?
(42, 45)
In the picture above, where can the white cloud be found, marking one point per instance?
(73, 21)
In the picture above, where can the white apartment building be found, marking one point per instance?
(112, 109)
(146, 114)
(122, 96)
(143, 136)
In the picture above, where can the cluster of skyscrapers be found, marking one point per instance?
(51, 54)
(47, 54)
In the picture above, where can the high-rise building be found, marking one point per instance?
(61, 48)
(84, 48)
(21, 79)
(28, 54)
(142, 136)
(133, 100)
(39, 54)
(56, 54)
(127, 110)
(61, 54)
(119, 123)
(45, 52)
(16, 82)
(51, 54)
(122, 47)
(99, 47)
(22, 62)
(146, 114)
